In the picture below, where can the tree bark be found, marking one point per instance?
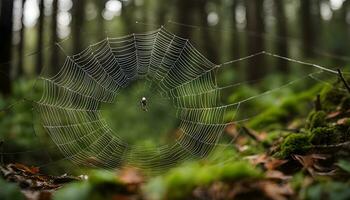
(235, 36)
(128, 11)
(207, 40)
(307, 29)
(185, 15)
(255, 23)
(162, 10)
(100, 4)
(282, 44)
(6, 23)
(40, 40)
(21, 43)
(54, 38)
(78, 14)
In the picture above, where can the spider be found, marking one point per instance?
(143, 104)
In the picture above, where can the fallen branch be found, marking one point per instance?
(343, 79)
(344, 145)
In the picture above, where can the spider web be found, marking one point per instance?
(172, 71)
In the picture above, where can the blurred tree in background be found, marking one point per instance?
(222, 30)
(6, 22)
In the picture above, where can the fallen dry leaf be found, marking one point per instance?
(33, 184)
(311, 163)
(333, 114)
(342, 121)
(24, 168)
(269, 162)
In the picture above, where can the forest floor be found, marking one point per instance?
(309, 158)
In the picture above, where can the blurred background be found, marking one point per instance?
(222, 29)
(37, 35)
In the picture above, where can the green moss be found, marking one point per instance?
(296, 143)
(325, 135)
(181, 181)
(237, 171)
(317, 119)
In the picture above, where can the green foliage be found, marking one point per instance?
(297, 181)
(344, 165)
(16, 123)
(241, 93)
(327, 190)
(221, 153)
(273, 136)
(269, 117)
(296, 143)
(76, 191)
(10, 191)
(278, 115)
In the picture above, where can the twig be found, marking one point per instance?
(251, 134)
(343, 79)
(318, 105)
(343, 145)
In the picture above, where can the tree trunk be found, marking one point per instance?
(207, 40)
(78, 14)
(6, 22)
(185, 15)
(40, 40)
(54, 38)
(235, 36)
(100, 4)
(128, 10)
(255, 23)
(282, 44)
(162, 10)
(21, 44)
(345, 14)
(307, 30)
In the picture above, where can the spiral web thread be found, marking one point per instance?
(70, 106)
